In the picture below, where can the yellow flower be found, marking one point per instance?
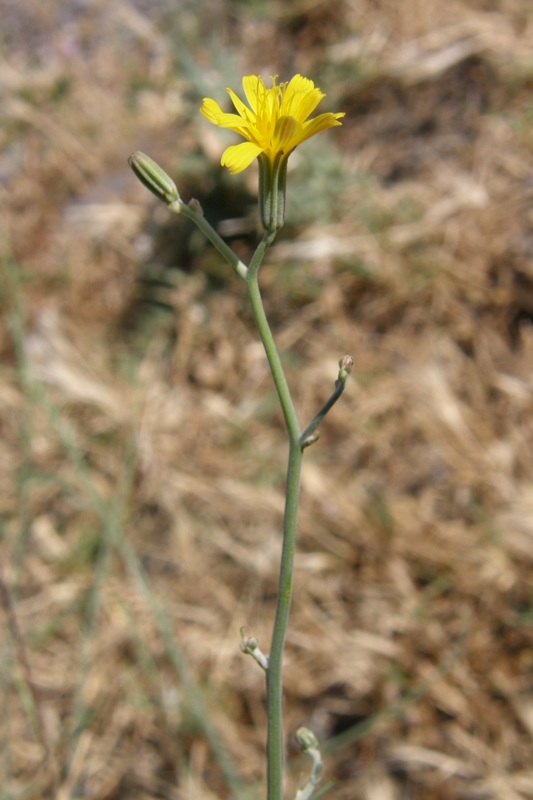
(275, 122)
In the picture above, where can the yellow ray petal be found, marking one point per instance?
(254, 88)
(239, 156)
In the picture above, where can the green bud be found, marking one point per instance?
(307, 441)
(346, 365)
(272, 183)
(306, 739)
(154, 178)
(250, 646)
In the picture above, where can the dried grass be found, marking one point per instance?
(134, 444)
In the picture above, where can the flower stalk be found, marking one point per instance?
(275, 121)
(286, 575)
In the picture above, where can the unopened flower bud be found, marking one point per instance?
(154, 178)
(250, 646)
(346, 365)
(306, 739)
(307, 441)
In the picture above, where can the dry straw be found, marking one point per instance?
(412, 613)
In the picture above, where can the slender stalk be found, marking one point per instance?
(193, 211)
(275, 659)
(261, 321)
(272, 204)
(310, 433)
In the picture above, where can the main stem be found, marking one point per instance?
(275, 658)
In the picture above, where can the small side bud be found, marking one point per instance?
(250, 646)
(346, 365)
(309, 744)
(154, 178)
(307, 441)
(306, 739)
(195, 206)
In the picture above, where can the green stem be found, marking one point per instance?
(275, 659)
(272, 205)
(261, 321)
(193, 211)
(306, 437)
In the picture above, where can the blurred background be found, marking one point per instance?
(142, 453)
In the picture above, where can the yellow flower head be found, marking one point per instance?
(275, 123)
